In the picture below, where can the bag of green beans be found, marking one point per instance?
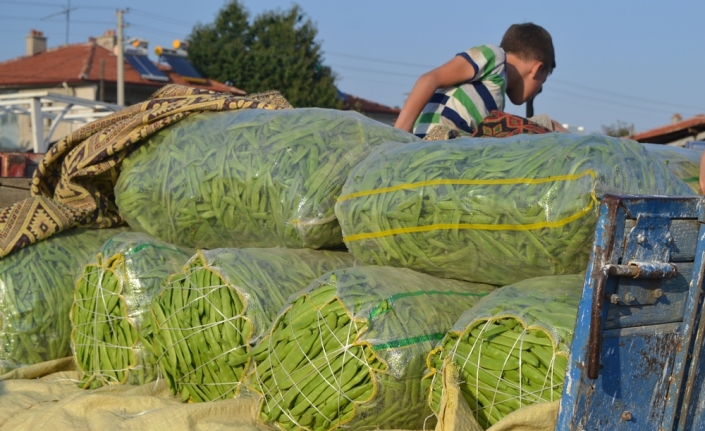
(208, 315)
(511, 348)
(36, 292)
(350, 350)
(250, 178)
(112, 328)
(492, 210)
(683, 162)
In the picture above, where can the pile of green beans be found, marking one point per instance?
(683, 162)
(491, 210)
(351, 349)
(251, 178)
(36, 292)
(207, 317)
(511, 348)
(112, 328)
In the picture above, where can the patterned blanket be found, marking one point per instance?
(496, 125)
(73, 185)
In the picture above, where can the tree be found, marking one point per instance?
(275, 51)
(618, 129)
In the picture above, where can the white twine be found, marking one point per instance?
(524, 395)
(203, 294)
(274, 396)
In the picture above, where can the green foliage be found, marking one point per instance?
(618, 129)
(277, 50)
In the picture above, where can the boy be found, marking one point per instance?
(460, 93)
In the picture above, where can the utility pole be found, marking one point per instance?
(121, 60)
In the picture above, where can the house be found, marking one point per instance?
(376, 111)
(678, 133)
(78, 72)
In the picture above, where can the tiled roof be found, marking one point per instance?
(364, 105)
(672, 132)
(79, 63)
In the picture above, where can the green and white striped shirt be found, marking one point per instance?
(463, 106)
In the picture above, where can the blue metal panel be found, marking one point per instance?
(639, 375)
(182, 66)
(145, 67)
(692, 401)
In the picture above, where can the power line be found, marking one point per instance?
(354, 78)
(384, 72)
(378, 60)
(598, 108)
(52, 21)
(24, 3)
(610, 102)
(153, 30)
(638, 99)
(160, 17)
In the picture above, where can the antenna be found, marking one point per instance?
(67, 10)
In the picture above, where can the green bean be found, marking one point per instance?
(113, 333)
(507, 355)
(248, 179)
(493, 232)
(350, 348)
(36, 292)
(208, 316)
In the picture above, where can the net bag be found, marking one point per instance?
(251, 178)
(349, 351)
(208, 315)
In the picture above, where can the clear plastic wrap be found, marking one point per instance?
(492, 210)
(112, 331)
(511, 348)
(683, 162)
(208, 316)
(349, 350)
(252, 178)
(36, 292)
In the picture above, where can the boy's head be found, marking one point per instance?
(530, 59)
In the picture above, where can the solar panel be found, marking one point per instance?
(145, 68)
(181, 66)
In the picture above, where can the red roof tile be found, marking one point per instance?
(364, 105)
(79, 63)
(672, 132)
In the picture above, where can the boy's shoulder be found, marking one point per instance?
(488, 51)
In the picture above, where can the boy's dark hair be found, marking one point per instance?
(529, 41)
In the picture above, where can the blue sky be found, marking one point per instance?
(634, 61)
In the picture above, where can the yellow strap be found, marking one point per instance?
(495, 182)
(476, 226)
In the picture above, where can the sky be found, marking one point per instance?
(637, 62)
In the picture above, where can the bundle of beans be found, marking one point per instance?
(350, 349)
(207, 316)
(112, 328)
(491, 210)
(36, 292)
(683, 162)
(251, 178)
(511, 348)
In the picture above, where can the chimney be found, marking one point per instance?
(36, 42)
(676, 119)
(107, 41)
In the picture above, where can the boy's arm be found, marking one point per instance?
(453, 72)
